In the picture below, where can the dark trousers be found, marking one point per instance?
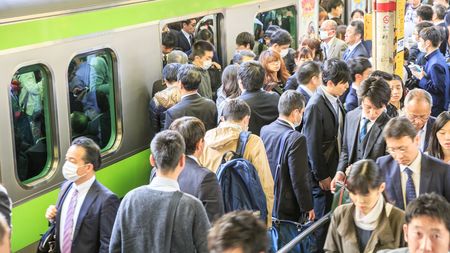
(322, 205)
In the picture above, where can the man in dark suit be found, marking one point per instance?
(195, 179)
(408, 171)
(417, 109)
(85, 210)
(323, 127)
(353, 37)
(263, 104)
(309, 78)
(186, 35)
(363, 129)
(293, 199)
(439, 12)
(360, 69)
(192, 104)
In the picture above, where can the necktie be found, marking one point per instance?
(363, 131)
(346, 53)
(68, 225)
(410, 188)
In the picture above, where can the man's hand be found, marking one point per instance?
(50, 214)
(311, 215)
(339, 177)
(325, 184)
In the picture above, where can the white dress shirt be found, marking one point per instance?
(82, 192)
(164, 184)
(415, 167)
(352, 47)
(422, 133)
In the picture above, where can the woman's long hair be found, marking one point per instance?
(230, 84)
(434, 148)
(282, 75)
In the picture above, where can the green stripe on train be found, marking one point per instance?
(28, 219)
(68, 26)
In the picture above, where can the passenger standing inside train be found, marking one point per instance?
(409, 172)
(333, 47)
(363, 131)
(86, 209)
(370, 223)
(427, 227)
(176, 56)
(196, 180)
(280, 42)
(202, 55)
(435, 77)
(186, 35)
(360, 69)
(354, 36)
(440, 138)
(263, 104)
(158, 217)
(191, 103)
(323, 126)
(224, 138)
(168, 44)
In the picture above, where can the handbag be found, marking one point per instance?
(341, 196)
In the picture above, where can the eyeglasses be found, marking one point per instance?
(417, 117)
(400, 150)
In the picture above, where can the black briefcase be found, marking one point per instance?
(47, 244)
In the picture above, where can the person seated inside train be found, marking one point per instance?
(360, 69)
(229, 89)
(238, 231)
(276, 73)
(370, 223)
(427, 227)
(166, 98)
(243, 56)
(176, 56)
(202, 54)
(195, 179)
(280, 42)
(158, 217)
(263, 104)
(168, 44)
(409, 172)
(191, 103)
(439, 146)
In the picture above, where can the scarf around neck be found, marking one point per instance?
(370, 221)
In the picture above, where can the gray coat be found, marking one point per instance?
(140, 224)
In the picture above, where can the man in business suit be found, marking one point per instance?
(195, 179)
(363, 138)
(409, 172)
(263, 104)
(360, 69)
(192, 104)
(333, 47)
(86, 209)
(417, 109)
(309, 78)
(354, 38)
(323, 127)
(439, 12)
(186, 35)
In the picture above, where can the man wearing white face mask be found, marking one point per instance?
(202, 54)
(85, 209)
(333, 47)
(280, 42)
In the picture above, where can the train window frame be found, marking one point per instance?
(50, 122)
(114, 103)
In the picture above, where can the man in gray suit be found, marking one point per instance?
(332, 46)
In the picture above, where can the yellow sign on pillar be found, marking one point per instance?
(399, 37)
(368, 26)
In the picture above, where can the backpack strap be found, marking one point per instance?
(242, 142)
(170, 223)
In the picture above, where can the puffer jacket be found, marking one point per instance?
(160, 103)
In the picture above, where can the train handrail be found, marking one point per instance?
(316, 225)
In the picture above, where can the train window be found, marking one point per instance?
(29, 96)
(285, 17)
(91, 94)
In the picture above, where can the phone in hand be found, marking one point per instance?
(415, 68)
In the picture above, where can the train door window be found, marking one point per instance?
(30, 103)
(285, 17)
(91, 93)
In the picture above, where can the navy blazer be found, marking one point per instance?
(202, 184)
(264, 108)
(373, 145)
(359, 51)
(437, 81)
(196, 106)
(294, 183)
(434, 177)
(95, 220)
(351, 101)
(291, 83)
(430, 124)
(305, 94)
(320, 127)
(183, 42)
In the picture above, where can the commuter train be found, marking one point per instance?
(41, 41)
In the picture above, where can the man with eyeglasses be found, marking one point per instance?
(417, 109)
(409, 172)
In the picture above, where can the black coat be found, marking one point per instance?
(183, 42)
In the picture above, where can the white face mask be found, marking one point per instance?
(323, 35)
(284, 52)
(421, 47)
(70, 171)
(207, 64)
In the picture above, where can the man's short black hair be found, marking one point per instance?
(189, 76)
(432, 34)
(201, 47)
(187, 21)
(422, 25)
(235, 110)
(398, 128)
(91, 151)
(429, 205)
(333, 4)
(170, 72)
(357, 11)
(169, 39)
(192, 129)
(281, 37)
(290, 100)
(167, 147)
(307, 71)
(377, 90)
(425, 12)
(205, 35)
(358, 66)
(251, 74)
(383, 75)
(244, 39)
(359, 27)
(336, 71)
